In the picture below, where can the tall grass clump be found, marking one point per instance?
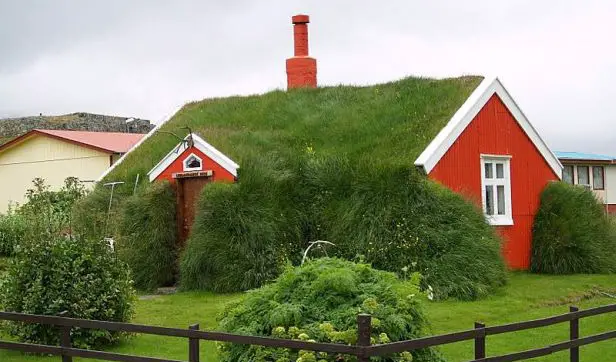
(399, 221)
(147, 236)
(244, 232)
(319, 301)
(572, 233)
(389, 216)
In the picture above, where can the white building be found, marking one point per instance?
(595, 172)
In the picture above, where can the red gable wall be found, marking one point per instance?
(495, 131)
(219, 173)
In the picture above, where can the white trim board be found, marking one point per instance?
(209, 150)
(432, 154)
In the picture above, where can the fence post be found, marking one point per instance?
(574, 333)
(480, 340)
(364, 330)
(65, 338)
(193, 345)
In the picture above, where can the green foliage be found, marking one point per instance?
(319, 301)
(45, 214)
(147, 236)
(385, 215)
(572, 233)
(394, 121)
(48, 213)
(244, 232)
(12, 230)
(399, 221)
(84, 278)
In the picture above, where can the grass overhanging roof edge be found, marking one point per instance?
(392, 122)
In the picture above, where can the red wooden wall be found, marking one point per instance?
(495, 131)
(219, 173)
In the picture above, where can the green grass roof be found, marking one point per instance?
(393, 121)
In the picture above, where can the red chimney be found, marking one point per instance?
(301, 69)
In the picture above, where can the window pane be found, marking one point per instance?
(583, 178)
(568, 174)
(500, 198)
(488, 170)
(597, 177)
(489, 200)
(500, 170)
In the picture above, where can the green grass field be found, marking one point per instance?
(526, 297)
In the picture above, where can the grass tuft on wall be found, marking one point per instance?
(147, 236)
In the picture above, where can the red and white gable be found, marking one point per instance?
(194, 156)
(490, 153)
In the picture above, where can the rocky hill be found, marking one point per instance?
(81, 121)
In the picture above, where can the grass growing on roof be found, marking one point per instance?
(320, 164)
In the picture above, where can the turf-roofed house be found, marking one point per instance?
(467, 134)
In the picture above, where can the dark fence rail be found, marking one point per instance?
(363, 350)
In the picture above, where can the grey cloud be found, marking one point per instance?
(144, 58)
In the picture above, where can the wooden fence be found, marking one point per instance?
(362, 350)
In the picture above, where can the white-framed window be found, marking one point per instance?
(193, 163)
(496, 189)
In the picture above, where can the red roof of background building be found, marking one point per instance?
(112, 142)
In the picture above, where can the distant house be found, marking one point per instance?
(55, 155)
(595, 172)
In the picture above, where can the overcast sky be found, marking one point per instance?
(145, 58)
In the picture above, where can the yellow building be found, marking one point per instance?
(55, 155)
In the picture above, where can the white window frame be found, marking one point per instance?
(185, 163)
(507, 218)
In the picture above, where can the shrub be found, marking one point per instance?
(320, 301)
(12, 230)
(81, 277)
(244, 232)
(572, 233)
(48, 213)
(147, 236)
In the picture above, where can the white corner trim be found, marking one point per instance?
(148, 135)
(209, 150)
(467, 112)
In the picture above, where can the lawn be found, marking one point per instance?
(526, 297)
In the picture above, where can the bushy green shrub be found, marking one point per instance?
(389, 216)
(244, 232)
(572, 233)
(320, 301)
(12, 230)
(48, 213)
(147, 236)
(79, 276)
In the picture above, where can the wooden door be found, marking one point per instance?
(188, 191)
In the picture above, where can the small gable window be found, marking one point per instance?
(496, 189)
(193, 163)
